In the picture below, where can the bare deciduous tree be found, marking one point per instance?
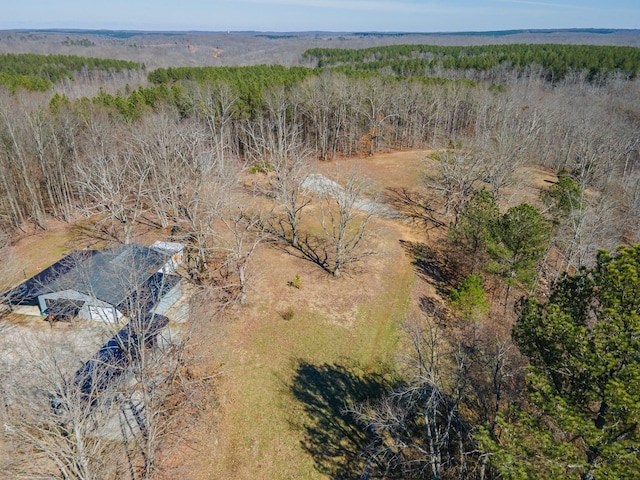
(459, 172)
(172, 150)
(276, 142)
(591, 226)
(322, 107)
(207, 192)
(216, 105)
(286, 184)
(377, 109)
(113, 180)
(417, 430)
(345, 215)
(55, 431)
(245, 230)
(20, 185)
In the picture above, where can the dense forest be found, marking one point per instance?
(40, 72)
(556, 61)
(540, 383)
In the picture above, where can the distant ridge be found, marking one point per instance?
(272, 34)
(162, 49)
(104, 33)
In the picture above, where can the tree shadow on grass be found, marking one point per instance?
(413, 205)
(88, 233)
(434, 308)
(331, 435)
(431, 265)
(310, 247)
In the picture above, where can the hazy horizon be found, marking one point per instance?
(295, 16)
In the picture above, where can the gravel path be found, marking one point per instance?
(318, 183)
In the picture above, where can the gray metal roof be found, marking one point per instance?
(108, 275)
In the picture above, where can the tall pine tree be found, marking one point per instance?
(584, 349)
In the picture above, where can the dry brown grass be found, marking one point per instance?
(351, 322)
(254, 424)
(351, 319)
(260, 429)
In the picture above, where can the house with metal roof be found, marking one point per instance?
(104, 285)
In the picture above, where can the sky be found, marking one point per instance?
(320, 15)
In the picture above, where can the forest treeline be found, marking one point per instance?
(555, 60)
(251, 114)
(175, 154)
(40, 72)
(588, 130)
(248, 83)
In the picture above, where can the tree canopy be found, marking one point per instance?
(522, 235)
(556, 60)
(584, 349)
(564, 196)
(475, 225)
(39, 72)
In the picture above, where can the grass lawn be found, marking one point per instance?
(285, 383)
(31, 253)
(286, 364)
(281, 385)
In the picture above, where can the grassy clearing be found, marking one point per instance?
(281, 385)
(41, 249)
(286, 381)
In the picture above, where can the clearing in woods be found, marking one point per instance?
(283, 383)
(286, 364)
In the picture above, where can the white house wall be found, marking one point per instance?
(104, 313)
(93, 309)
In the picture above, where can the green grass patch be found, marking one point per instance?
(298, 376)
